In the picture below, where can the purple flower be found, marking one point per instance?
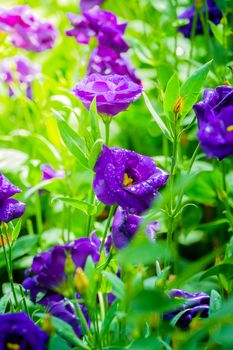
(48, 272)
(17, 331)
(97, 241)
(101, 24)
(128, 179)
(105, 61)
(51, 276)
(125, 225)
(19, 69)
(194, 304)
(214, 15)
(25, 31)
(82, 30)
(113, 93)
(49, 173)
(63, 308)
(9, 208)
(88, 4)
(215, 123)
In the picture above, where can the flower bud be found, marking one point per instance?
(69, 265)
(227, 83)
(198, 3)
(178, 106)
(47, 325)
(80, 281)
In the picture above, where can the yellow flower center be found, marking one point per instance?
(230, 128)
(12, 346)
(128, 181)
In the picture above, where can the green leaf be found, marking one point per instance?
(118, 287)
(72, 140)
(95, 151)
(22, 246)
(49, 185)
(203, 182)
(65, 331)
(156, 117)
(93, 118)
(150, 343)
(191, 88)
(43, 147)
(224, 269)
(3, 303)
(16, 230)
(143, 252)
(224, 336)
(172, 93)
(215, 301)
(175, 319)
(56, 342)
(217, 31)
(85, 207)
(153, 301)
(108, 319)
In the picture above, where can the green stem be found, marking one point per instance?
(24, 300)
(89, 219)
(173, 164)
(102, 306)
(39, 222)
(205, 25)
(110, 215)
(193, 31)
(181, 194)
(82, 318)
(107, 131)
(9, 265)
(172, 178)
(224, 197)
(106, 263)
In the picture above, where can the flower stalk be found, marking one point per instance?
(8, 261)
(224, 197)
(110, 215)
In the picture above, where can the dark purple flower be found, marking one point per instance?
(81, 29)
(49, 173)
(48, 272)
(97, 241)
(88, 4)
(25, 31)
(125, 225)
(194, 304)
(106, 61)
(64, 309)
(113, 93)
(101, 24)
(128, 179)
(112, 37)
(215, 123)
(18, 331)
(214, 15)
(19, 69)
(9, 208)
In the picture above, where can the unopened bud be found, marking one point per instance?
(47, 325)
(178, 106)
(81, 281)
(198, 3)
(222, 195)
(69, 265)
